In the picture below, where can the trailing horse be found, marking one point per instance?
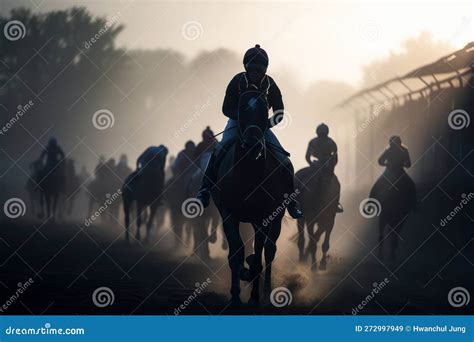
(395, 199)
(251, 184)
(319, 198)
(209, 219)
(144, 187)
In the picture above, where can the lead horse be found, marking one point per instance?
(251, 186)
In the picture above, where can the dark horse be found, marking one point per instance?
(145, 187)
(252, 186)
(204, 227)
(50, 184)
(393, 197)
(319, 198)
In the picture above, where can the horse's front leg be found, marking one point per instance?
(42, 204)
(300, 224)
(153, 208)
(270, 250)
(236, 254)
(255, 263)
(327, 228)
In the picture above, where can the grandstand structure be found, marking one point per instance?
(430, 108)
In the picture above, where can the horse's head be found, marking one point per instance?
(253, 121)
(158, 160)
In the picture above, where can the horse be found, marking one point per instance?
(209, 218)
(319, 198)
(252, 186)
(104, 185)
(71, 187)
(144, 187)
(32, 186)
(50, 184)
(395, 199)
(176, 192)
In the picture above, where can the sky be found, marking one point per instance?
(314, 40)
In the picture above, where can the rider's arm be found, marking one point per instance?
(61, 153)
(383, 159)
(309, 153)
(334, 152)
(407, 162)
(231, 99)
(276, 103)
(43, 155)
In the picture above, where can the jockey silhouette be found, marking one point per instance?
(324, 149)
(206, 145)
(396, 158)
(254, 78)
(185, 159)
(53, 154)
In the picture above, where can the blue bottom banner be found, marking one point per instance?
(237, 328)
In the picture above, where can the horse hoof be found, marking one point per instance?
(254, 302)
(250, 259)
(235, 302)
(322, 266)
(246, 275)
(314, 267)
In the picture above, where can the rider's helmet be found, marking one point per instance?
(395, 141)
(123, 159)
(255, 63)
(163, 150)
(207, 134)
(322, 130)
(256, 54)
(190, 145)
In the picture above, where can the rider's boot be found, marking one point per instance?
(204, 193)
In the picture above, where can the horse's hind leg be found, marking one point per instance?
(236, 254)
(270, 251)
(300, 224)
